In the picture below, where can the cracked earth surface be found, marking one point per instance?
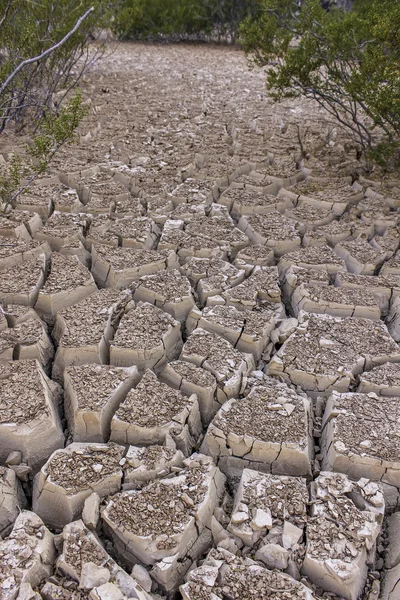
(199, 348)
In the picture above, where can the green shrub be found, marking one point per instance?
(347, 61)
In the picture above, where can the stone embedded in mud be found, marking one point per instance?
(71, 475)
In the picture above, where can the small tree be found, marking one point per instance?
(347, 61)
(45, 49)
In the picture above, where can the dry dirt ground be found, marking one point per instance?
(199, 358)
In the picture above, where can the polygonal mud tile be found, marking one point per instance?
(326, 190)
(146, 337)
(194, 190)
(20, 283)
(253, 256)
(383, 380)
(92, 395)
(271, 511)
(361, 257)
(186, 246)
(191, 379)
(391, 267)
(211, 276)
(144, 465)
(325, 353)
(320, 258)
(168, 290)
(244, 201)
(248, 331)
(166, 524)
(360, 438)
(214, 354)
(348, 227)
(62, 229)
(153, 410)
(68, 282)
(118, 267)
(26, 556)
(341, 533)
(19, 251)
(295, 277)
(83, 332)
(26, 340)
(223, 574)
(335, 301)
(261, 286)
(71, 475)
(384, 288)
(269, 429)
(274, 230)
(219, 227)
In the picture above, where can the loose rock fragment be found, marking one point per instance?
(214, 354)
(325, 353)
(269, 429)
(92, 395)
(341, 533)
(146, 337)
(29, 420)
(162, 525)
(26, 556)
(152, 411)
(225, 575)
(71, 475)
(360, 438)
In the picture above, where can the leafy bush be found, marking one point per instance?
(45, 49)
(347, 61)
(180, 19)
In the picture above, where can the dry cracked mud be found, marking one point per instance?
(199, 348)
